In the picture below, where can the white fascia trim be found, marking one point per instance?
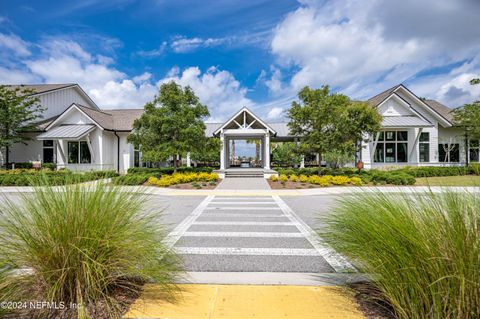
(67, 111)
(246, 109)
(439, 117)
(405, 103)
(84, 94)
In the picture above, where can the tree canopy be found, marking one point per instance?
(286, 154)
(172, 124)
(327, 121)
(18, 112)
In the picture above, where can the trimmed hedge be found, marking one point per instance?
(168, 170)
(401, 176)
(62, 177)
(131, 179)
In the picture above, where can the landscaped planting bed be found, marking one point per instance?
(186, 180)
(27, 177)
(421, 250)
(93, 246)
(140, 175)
(401, 176)
(304, 181)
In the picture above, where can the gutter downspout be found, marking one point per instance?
(118, 151)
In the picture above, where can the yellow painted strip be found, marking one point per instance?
(248, 301)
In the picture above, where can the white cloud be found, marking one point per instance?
(218, 89)
(183, 44)
(153, 53)
(363, 47)
(14, 44)
(275, 113)
(275, 81)
(66, 61)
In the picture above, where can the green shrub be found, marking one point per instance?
(432, 171)
(423, 250)
(168, 170)
(51, 166)
(20, 165)
(474, 169)
(131, 179)
(85, 245)
(20, 177)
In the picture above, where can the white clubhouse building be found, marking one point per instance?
(76, 134)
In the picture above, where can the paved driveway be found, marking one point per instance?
(250, 234)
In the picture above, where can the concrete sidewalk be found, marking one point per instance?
(239, 183)
(248, 301)
(334, 190)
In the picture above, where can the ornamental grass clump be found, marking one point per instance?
(422, 250)
(93, 246)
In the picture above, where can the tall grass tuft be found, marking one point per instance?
(82, 244)
(423, 250)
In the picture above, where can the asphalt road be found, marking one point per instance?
(246, 234)
(255, 234)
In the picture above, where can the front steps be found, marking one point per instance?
(246, 173)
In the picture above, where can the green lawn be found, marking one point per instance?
(467, 180)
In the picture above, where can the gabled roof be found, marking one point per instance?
(379, 98)
(41, 88)
(442, 111)
(250, 113)
(111, 120)
(46, 88)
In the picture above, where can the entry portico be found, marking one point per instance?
(245, 125)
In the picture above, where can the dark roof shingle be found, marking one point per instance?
(41, 88)
(117, 120)
(441, 109)
(379, 98)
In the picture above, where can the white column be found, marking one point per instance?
(222, 152)
(302, 163)
(267, 151)
(189, 162)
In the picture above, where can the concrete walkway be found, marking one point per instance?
(245, 302)
(239, 183)
(334, 190)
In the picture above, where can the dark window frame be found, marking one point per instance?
(424, 143)
(385, 138)
(82, 154)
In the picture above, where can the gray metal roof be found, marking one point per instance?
(404, 121)
(73, 131)
(281, 129)
(211, 128)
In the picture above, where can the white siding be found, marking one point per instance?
(392, 107)
(31, 151)
(58, 101)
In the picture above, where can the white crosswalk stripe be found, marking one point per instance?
(248, 251)
(220, 215)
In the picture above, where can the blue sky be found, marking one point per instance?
(257, 53)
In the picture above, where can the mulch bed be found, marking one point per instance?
(202, 185)
(370, 302)
(291, 185)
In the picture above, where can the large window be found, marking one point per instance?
(392, 147)
(424, 147)
(449, 153)
(136, 158)
(474, 150)
(78, 152)
(48, 151)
